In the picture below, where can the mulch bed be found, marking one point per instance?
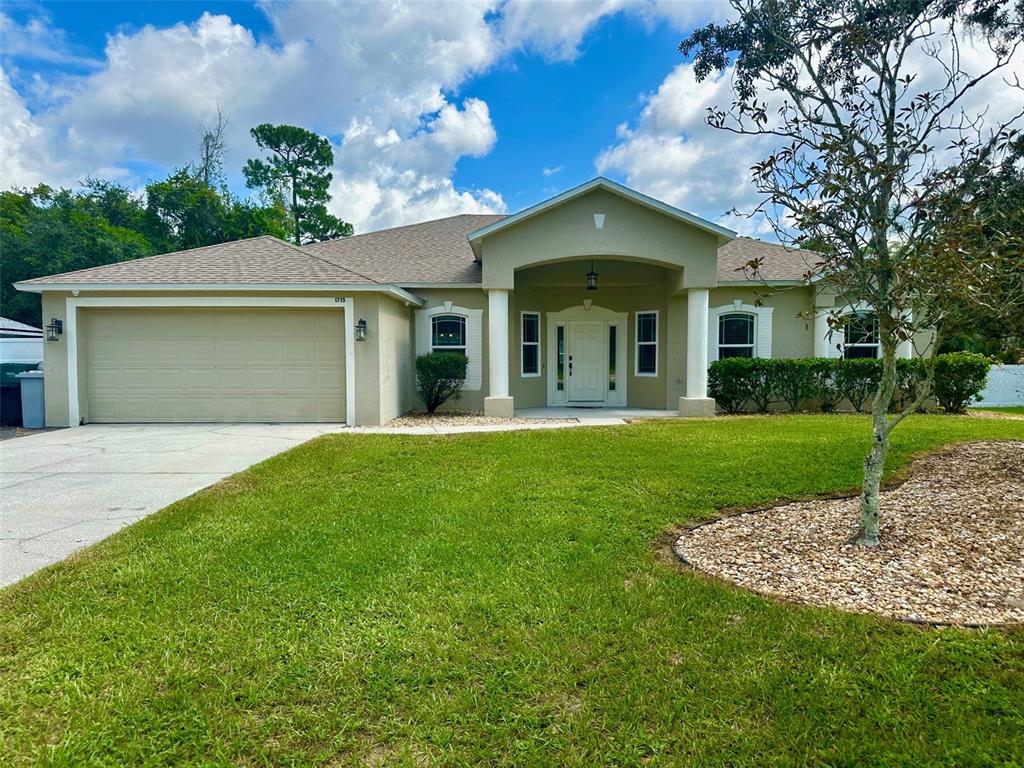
(951, 552)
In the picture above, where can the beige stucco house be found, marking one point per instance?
(600, 296)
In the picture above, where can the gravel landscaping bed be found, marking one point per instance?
(952, 546)
(462, 419)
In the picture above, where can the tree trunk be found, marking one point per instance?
(295, 213)
(874, 462)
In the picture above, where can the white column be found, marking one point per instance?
(821, 340)
(697, 402)
(497, 403)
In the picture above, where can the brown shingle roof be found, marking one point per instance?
(778, 262)
(257, 260)
(429, 252)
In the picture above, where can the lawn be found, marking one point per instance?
(491, 599)
(1015, 409)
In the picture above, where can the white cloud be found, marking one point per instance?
(671, 153)
(557, 28)
(24, 161)
(552, 171)
(36, 39)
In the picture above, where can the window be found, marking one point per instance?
(612, 333)
(736, 335)
(560, 359)
(448, 333)
(861, 336)
(646, 343)
(530, 338)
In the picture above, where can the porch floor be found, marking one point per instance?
(594, 415)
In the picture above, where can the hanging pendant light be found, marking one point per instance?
(591, 278)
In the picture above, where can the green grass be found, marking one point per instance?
(491, 599)
(1018, 409)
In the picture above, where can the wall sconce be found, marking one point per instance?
(361, 330)
(591, 278)
(54, 329)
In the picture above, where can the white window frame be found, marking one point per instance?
(637, 343)
(523, 343)
(762, 327)
(876, 345)
(450, 348)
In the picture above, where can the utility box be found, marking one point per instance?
(33, 407)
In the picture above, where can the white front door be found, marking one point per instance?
(588, 372)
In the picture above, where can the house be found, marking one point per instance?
(598, 296)
(20, 343)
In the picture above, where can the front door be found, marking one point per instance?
(586, 357)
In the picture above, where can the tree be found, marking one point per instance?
(297, 170)
(210, 163)
(44, 231)
(857, 165)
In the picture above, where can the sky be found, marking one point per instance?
(432, 109)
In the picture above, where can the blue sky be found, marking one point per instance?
(434, 109)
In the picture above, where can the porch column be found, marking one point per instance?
(697, 402)
(498, 403)
(821, 330)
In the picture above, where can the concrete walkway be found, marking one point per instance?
(66, 489)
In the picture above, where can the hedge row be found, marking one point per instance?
(743, 383)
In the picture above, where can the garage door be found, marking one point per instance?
(182, 365)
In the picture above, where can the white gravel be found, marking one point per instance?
(952, 544)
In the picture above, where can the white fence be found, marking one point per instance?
(1005, 386)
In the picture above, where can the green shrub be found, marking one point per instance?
(857, 380)
(910, 377)
(795, 380)
(440, 376)
(730, 382)
(763, 383)
(826, 387)
(959, 378)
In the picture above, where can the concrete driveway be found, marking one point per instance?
(66, 489)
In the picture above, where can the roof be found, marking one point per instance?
(430, 252)
(607, 184)
(255, 261)
(777, 261)
(10, 327)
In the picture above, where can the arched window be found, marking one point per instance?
(861, 336)
(448, 333)
(736, 335)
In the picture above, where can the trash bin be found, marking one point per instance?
(10, 392)
(33, 412)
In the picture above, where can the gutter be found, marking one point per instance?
(76, 288)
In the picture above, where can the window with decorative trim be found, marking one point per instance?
(860, 336)
(646, 357)
(736, 335)
(529, 357)
(448, 333)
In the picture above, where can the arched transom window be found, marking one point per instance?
(861, 336)
(736, 335)
(448, 333)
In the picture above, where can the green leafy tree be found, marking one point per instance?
(297, 172)
(45, 231)
(862, 92)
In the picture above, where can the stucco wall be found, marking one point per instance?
(631, 231)
(55, 363)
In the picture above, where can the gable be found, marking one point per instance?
(630, 230)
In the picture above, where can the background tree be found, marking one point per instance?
(857, 166)
(212, 145)
(297, 171)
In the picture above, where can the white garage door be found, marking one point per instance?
(199, 365)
